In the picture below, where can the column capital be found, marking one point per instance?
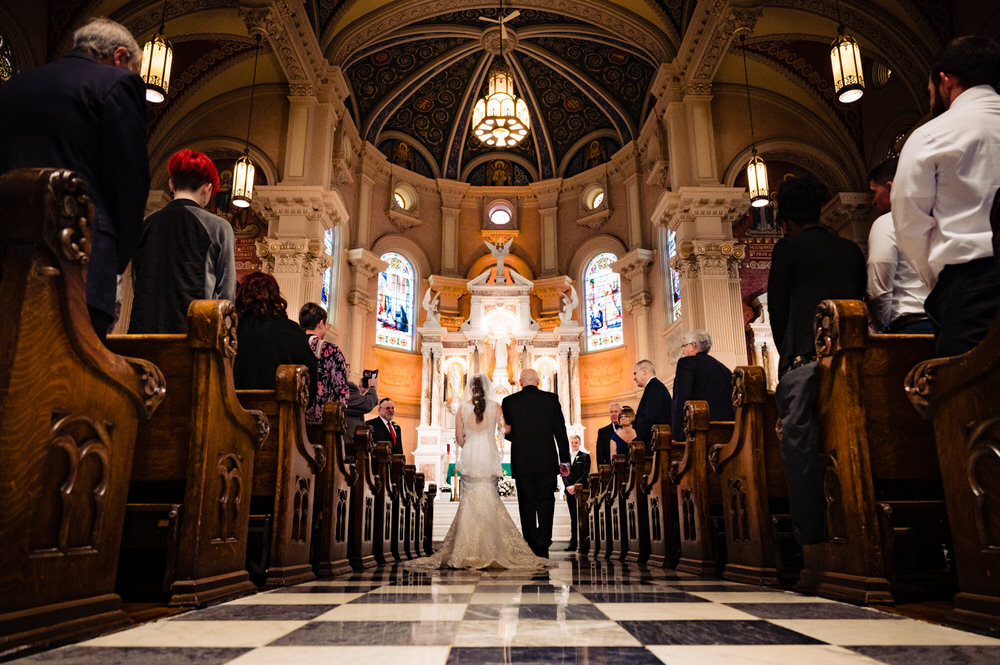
(690, 203)
(635, 265)
(712, 257)
(452, 192)
(546, 192)
(365, 263)
(310, 201)
(846, 208)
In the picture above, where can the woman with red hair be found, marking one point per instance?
(266, 337)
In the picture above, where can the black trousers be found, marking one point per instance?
(102, 322)
(962, 305)
(536, 504)
(571, 504)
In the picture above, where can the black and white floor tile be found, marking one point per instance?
(576, 613)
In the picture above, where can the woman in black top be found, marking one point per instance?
(266, 337)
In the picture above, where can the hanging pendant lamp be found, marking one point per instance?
(244, 169)
(500, 119)
(845, 60)
(157, 59)
(756, 169)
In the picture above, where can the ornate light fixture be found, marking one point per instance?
(756, 169)
(244, 169)
(845, 59)
(500, 119)
(157, 58)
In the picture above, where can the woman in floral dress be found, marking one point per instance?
(331, 380)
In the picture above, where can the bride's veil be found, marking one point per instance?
(487, 388)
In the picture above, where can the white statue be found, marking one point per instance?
(499, 251)
(500, 353)
(569, 305)
(432, 307)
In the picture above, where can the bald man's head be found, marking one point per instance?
(529, 377)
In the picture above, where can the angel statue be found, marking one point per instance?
(569, 304)
(431, 305)
(499, 251)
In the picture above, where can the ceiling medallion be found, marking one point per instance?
(500, 119)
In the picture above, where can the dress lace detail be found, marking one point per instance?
(483, 535)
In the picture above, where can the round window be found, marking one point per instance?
(500, 216)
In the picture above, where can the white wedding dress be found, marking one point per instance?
(483, 534)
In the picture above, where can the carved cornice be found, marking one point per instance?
(707, 39)
(295, 256)
(312, 202)
(364, 263)
(546, 192)
(846, 209)
(635, 265)
(452, 192)
(729, 203)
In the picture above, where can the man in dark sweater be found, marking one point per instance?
(699, 376)
(808, 265)
(186, 253)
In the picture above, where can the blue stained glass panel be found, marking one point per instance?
(394, 327)
(675, 278)
(603, 302)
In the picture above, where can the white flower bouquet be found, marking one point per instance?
(506, 487)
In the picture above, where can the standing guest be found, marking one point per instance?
(267, 337)
(654, 407)
(948, 173)
(625, 434)
(700, 376)
(603, 446)
(808, 265)
(896, 293)
(384, 428)
(360, 400)
(331, 375)
(579, 469)
(186, 253)
(87, 112)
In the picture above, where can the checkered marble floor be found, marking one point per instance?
(592, 613)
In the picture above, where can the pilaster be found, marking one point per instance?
(452, 193)
(547, 194)
(361, 296)
(634, 267)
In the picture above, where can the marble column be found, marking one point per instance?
(425, 386)
(634, 268)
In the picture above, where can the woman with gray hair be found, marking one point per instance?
(700, 376)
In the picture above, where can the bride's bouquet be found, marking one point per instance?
(505, 486)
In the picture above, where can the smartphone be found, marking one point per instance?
(367, 375)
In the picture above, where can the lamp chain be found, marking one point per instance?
(840, 22)
(746, 79)
(253, 88)
(163, 16)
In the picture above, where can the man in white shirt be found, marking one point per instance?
(896, 294)
(948, 174)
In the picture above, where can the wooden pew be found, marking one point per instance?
(661, 500)
(959, 395)
(284, 481)
(582, 495)
(602, 503)
(618, 537)
(69, 412)
(428, 510)
(884, 507)
(589, 509)
(334, 484)
(417, 516)
(193, 468)
(383, 533)
(400, 509)
(699, 496)
(636, 517)
(754, 491)
(367, 487)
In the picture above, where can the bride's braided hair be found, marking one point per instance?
(478, 398)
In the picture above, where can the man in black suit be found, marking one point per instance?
(579, 471)
(384, 429)
(808, 265)
(603, 445)
(654, 407)
(700, 376)
(87, 112)
(537, 427)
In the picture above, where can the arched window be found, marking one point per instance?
(7, 65)
(675, 278)
(324, 295)
(396, 288)
(603, 302)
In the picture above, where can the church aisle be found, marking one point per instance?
(576, 613)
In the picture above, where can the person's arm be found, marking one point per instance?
(883, 257)
(225, 266)
(508, 429)
(460, 426)
(683, 391)
(562, 441)
(304, 356)
(779, 292)
(124, 166)
(914, 189)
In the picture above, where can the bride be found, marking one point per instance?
(483, 534)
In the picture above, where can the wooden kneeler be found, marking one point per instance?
(334, 485)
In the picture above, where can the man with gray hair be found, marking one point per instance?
(702, 377)
(87, 112)
(654, 407)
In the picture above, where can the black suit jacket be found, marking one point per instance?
(654, 409)
(381, 433)
(579, 470)
(807, 268)
(702, 377)
(537, 426)
(603, 445)
(266, 343)
(76, 113)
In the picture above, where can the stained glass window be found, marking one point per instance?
(324, 295)
(7, 67)
(675, 278)
(395, 303)
(603, 296)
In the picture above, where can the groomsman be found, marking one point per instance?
(384, 429)
(654, 407)
(603, 446)
(579, 470)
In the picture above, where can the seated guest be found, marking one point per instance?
(603, 446)
(267, 337)
(625, 434)
(654, 407)
(700, 376)
(185, 253)
(384, 428)
(331, 379)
